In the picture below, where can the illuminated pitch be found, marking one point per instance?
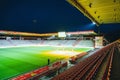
(18, 60)
(65, 53)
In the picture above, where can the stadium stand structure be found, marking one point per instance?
(88, 68)
(70, 43)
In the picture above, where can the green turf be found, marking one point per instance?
(15, 61)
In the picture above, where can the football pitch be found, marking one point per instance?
(19, 60)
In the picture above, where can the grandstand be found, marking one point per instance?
(70, 43)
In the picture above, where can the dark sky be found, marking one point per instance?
(46, 16)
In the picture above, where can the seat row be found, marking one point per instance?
(85, 69)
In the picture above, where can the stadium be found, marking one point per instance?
(75, 54)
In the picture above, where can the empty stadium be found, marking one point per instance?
(42, 40)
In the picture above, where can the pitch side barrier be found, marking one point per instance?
(33, 75)
(52, 68)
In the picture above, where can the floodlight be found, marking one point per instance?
(93, 22)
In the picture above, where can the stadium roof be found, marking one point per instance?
(99, 11)
(90, 32)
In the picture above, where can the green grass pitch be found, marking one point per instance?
(19, 60)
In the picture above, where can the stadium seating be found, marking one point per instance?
(86, 69)
(83, 43)
(67, 43)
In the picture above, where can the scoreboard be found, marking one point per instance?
(61, 34)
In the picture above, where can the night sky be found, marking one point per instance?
(43, 16)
